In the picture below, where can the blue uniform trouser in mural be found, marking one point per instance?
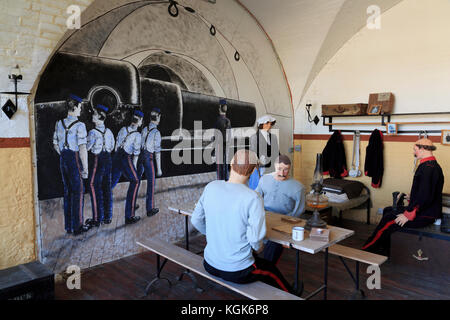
(254, 178)
(123, 164)
(70, 166)
(146, 164)
(100, 186)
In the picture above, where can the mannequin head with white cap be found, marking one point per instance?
(266, 122)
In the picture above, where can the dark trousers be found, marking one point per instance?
(145, 163)
(73, 190)
(272, 252)
(100, 170)
(123, 164)
(261, 270)
(380, 240)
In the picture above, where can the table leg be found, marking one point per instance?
(159, 268)
(298, 285)
(186, 232)
(187, 271)
(325, 280)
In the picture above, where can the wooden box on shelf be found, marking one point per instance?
(344, 109)
(381, 103)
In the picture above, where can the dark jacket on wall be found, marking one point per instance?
(374, 165)
(334, 161)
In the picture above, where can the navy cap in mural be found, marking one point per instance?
(223, 102)
(101, 108)
(155, 109)
(75, 97)
(138, 113)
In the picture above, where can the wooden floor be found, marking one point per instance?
(402, 277)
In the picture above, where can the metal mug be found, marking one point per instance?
(298, 233)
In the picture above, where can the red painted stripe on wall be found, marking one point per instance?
(14, 142)
(364, 137)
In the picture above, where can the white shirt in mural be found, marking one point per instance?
(100, 139)
(129, 139)
(151, 138)
(76, 134)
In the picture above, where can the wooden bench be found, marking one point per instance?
(433, 231)
(255, 290)
(359, 256)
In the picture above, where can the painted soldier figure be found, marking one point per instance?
(151, 150)
(69, 140)
(100, 143)
(223, 124)
(128, 148)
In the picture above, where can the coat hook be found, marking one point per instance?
(425, 136)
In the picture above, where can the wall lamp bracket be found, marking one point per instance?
(316, 119)
(9, 108)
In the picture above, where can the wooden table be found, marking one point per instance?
(274, 220)
(307, 245)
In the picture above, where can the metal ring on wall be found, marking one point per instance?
(237, 56)
(212, 30)
(173, 4)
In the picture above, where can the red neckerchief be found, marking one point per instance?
(428, 159)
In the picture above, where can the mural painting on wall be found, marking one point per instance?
(107, 131)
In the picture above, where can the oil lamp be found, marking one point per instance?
(317, 199)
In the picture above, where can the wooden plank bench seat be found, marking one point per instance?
(432, 231)
(255, 290)
(359, 256)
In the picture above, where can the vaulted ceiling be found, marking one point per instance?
(307, 33)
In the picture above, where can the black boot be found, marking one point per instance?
(152, 212)
(82, 229)
(132, 220)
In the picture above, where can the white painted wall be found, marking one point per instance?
(409, 56)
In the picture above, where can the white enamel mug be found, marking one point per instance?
(298, 233)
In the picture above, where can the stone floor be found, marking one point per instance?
(117, 240)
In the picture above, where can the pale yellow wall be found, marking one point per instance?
(398, 174)
(17, 232)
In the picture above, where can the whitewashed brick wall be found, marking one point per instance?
(29, 32)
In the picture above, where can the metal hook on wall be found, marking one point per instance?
(425, 136)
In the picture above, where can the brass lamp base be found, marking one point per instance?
(315, 221)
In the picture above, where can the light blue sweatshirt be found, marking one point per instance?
(232, 217)
(285, 197)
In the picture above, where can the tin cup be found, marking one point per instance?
(298, 233)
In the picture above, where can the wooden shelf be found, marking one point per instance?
(385, 118)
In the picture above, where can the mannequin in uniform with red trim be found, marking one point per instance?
(425, 201)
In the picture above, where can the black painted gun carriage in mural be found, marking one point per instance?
(118, 85)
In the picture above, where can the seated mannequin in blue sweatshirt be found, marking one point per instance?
(282, 194)
(232, 217)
